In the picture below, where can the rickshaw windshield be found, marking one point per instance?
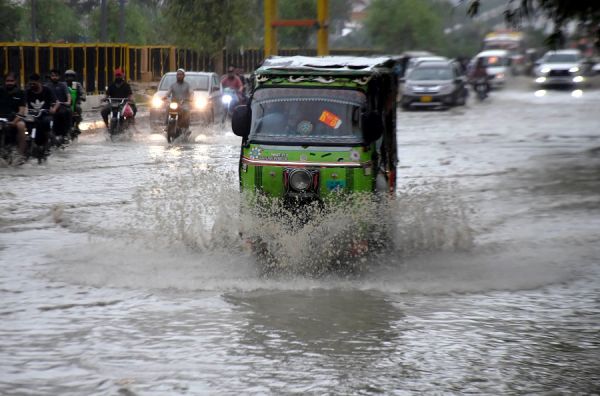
(297, 115)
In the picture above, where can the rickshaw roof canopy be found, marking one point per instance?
(325, 64)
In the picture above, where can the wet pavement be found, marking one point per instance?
(122, 271)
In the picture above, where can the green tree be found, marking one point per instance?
(561, 12)
(339, 12)
(399, 25)
(10, 19)
(144, 24)
(55, 21)
(211, 25)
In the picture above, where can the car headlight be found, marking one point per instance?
(444, 89)
(156, 102)
(577, 79)
(200, 103)
(300, 180)
(574, 69)
(500, 75)
(173, 105)
(545, 70)
(540, 80)
(226, 99)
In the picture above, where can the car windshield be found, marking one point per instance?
(561, 58)
(312, 116)
(431, 73)
(197, 82)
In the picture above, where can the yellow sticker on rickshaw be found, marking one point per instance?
(330, 119)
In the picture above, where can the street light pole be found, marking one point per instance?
(103, 21)
(33, 22)
(122, 21)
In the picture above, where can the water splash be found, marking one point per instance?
(200, 209)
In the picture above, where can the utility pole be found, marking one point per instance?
(122, 21)
(103, 21)
(33, 22)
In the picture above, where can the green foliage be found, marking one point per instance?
(55, 21)
(143, 23)
(211, 25)
(302, 37)
(400, 25)
(561, 12)
(10, 18)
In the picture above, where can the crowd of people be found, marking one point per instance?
(56, 106)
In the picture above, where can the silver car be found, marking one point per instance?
(206, 106)
(564, 67)
(434, 84)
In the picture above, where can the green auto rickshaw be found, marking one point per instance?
(316, 126)
(316, 131)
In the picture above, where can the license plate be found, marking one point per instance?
(426, 99)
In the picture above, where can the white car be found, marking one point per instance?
(206, 106)
(563, 67)
(497, 65)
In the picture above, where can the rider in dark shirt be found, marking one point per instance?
(12, 102)
(40, 97)
(62, 116)
(119, 89)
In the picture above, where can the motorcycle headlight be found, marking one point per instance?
(300, 180)
(200, 103)
(226, 99)
(574, 69)
(156, 102)
(173, 105)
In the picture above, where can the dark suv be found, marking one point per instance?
(434, 84)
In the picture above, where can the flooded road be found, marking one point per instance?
(122, 273)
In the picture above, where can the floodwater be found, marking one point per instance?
(122, 271)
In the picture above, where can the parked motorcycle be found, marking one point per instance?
(174, 131)
(121, 116)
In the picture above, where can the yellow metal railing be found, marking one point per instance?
(94, 62)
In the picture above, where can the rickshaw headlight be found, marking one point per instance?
(173, 105)
(300, 180)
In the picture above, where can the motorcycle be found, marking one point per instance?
(60, 141)
(121, 116)
(173, 129)
(33, 122)
(481, 88)
(230, 100)
(75, 121)
(8, 149)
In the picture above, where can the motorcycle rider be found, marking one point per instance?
(478, 74)
(231, 80)
(182, 93)
(62, 116)
(12, 102)
(119, 89)
(77, 94)
(39, 97)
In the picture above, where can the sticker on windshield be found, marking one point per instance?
(330, 119)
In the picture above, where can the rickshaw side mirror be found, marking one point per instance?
(240, 121)
(372, 126)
